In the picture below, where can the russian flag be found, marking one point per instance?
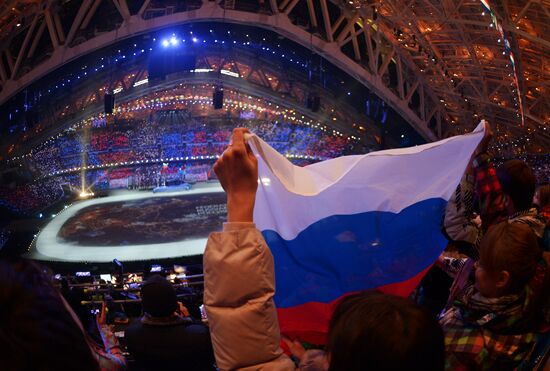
(353, 223)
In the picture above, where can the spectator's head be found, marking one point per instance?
(383, 332)
(158, 297)
(542, 196)
(509, 254)
(36, 325)
(518, 183)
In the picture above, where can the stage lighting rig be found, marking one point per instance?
(170, 59)
(171, 41)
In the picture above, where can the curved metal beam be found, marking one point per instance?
(210, 11)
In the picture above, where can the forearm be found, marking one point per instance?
(240, 208)
(239, 289)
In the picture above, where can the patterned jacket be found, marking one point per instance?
(492, 200)
(489, 333)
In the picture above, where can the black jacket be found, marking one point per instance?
(176, 346)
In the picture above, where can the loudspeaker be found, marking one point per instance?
(313, 102)
(109, 101)
(217, 99)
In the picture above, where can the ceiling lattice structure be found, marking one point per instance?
(464, 48)
(442, 65)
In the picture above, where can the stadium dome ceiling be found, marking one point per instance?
(460, 61)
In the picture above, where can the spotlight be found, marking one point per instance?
(165, 43)
(195, 39)
(173, 41)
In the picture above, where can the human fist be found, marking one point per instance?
(237, 170)
(484, 144)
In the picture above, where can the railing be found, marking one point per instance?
(107, 288)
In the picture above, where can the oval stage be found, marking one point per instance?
(133, 225)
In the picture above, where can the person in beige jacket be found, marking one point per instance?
(239, 275)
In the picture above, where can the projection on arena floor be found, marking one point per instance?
(133, 226)
(145, 221)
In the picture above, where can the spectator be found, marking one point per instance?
(502, 194)
(39, 328)
(460, 225)
(383, 332)
(239, 289)
(505, 193)
(165, 337)
(493, 323)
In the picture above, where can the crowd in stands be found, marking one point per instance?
(160, 138)
(540, 164)
(166, 136)
(496, 315)
(31, 197)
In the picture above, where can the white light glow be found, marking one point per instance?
(202, 70)
(230, 73)
(141, 82)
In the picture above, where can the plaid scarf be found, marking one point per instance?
(486, 333)
(532, 218)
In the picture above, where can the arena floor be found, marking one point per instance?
(132, 226)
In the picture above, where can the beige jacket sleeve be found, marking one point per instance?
(239, 287)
